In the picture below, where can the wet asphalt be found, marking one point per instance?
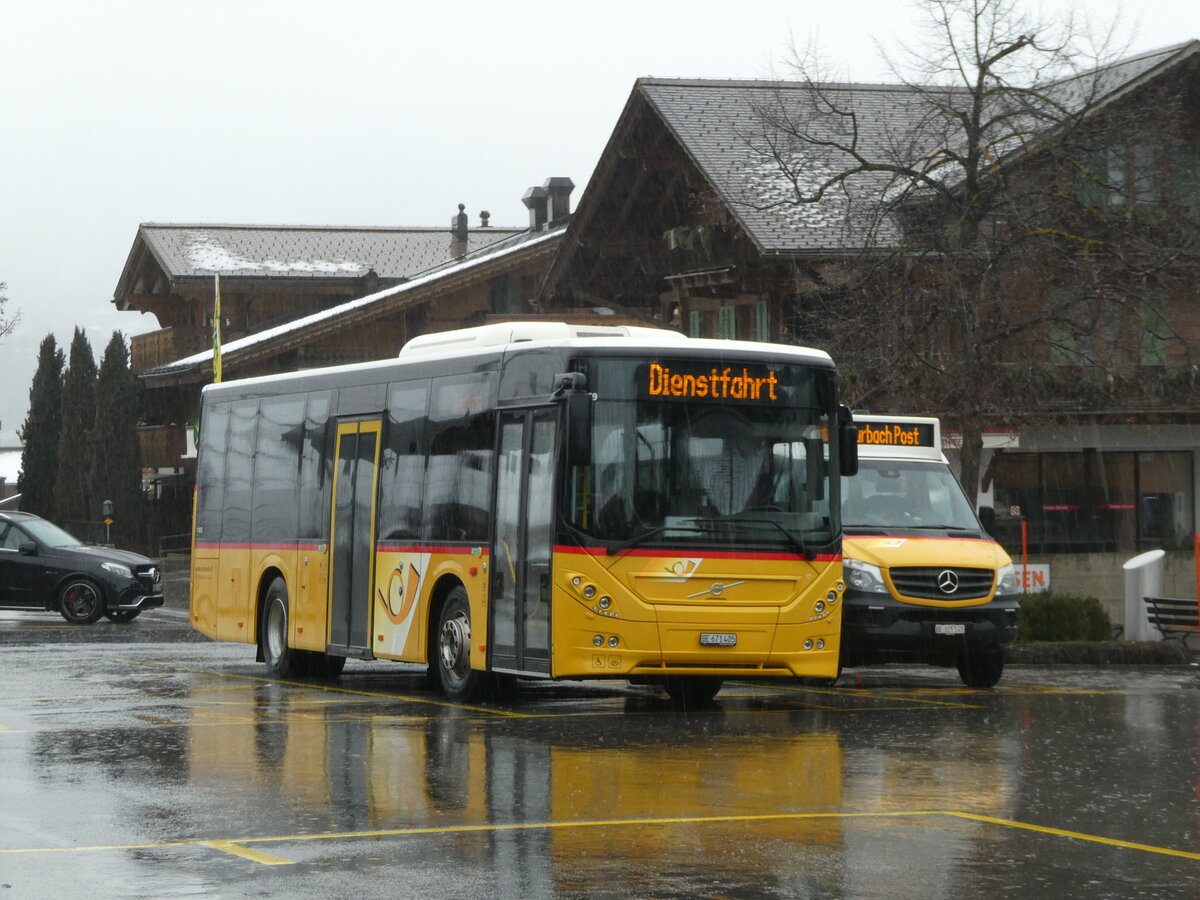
(142, 760)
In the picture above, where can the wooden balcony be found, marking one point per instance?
(157, 348)
(164, 446)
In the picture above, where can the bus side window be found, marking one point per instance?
(314, 511)
(210, 476)
(458, 476)
(402, 469)
(239, 471)
(276, 466)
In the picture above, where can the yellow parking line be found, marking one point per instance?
(1077, 835)
(236, 846)
(265, 859)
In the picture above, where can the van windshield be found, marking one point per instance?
(889, 494)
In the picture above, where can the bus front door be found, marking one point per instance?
(523, 542)
(352, 538)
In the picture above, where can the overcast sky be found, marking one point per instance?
(354, 112)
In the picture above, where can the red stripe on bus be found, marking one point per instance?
(221, 545)
(430, 548)
(685, 551)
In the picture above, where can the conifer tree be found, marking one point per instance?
(116, 464)
(74, 500)
(40, 433)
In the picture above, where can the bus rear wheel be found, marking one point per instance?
(981, 667)
(320, 665)
(452, 649)
(281, 660)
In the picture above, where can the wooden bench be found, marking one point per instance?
(1174, 618)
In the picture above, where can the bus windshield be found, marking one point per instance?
(688, 470)
(889, 494)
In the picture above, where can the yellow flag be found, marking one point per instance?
(217, 331)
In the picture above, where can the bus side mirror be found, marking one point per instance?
(847, 442)
(571, 389)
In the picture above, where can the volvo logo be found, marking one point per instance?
(716, 590)
(947, 581)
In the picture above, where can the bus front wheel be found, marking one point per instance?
(279, 657)
(692, 691)
(453, 649)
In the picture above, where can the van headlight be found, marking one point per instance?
(1006, 580)
(861, 576)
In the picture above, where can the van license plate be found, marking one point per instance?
(950, 628)
(718, 639)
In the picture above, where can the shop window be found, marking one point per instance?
(1093, 502)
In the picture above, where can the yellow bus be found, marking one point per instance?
(927, 583)
(531, 499)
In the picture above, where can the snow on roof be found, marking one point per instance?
(267, 251)
(488, 254)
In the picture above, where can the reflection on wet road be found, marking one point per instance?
(139, 766)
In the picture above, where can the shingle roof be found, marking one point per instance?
(261, 251)
(371, 304)
(720, 124)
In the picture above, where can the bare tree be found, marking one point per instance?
(7, 323)
(984, 257)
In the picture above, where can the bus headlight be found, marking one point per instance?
(1006, 579)
(861, 576)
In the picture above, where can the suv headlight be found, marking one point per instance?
(117, 569)
(1006, 580)
(863, 576)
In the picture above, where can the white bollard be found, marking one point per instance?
(1143, 578)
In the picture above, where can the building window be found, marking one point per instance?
(727, 322)
(1094, 502)
(1152, 350)
(762, 321)
(695, 323)
(1185, 169)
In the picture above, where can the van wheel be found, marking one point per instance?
(453, 649)
(281, 660)
(981, 667)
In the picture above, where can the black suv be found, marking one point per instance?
(43, 567)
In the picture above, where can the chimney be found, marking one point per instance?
(535, 202)
(559, 192)
(458, 231)
(484, 217)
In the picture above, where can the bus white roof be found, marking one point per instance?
(502, 334)
(899, 437)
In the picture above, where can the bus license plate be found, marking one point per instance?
(718, 639)
(950, 628)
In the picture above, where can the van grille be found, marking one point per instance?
(928, 582)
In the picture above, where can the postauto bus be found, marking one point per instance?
(531, 499)
(925, 582)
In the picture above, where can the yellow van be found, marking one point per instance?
(925, 583)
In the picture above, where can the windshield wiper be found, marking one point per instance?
(794, 539)
(614, 549)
